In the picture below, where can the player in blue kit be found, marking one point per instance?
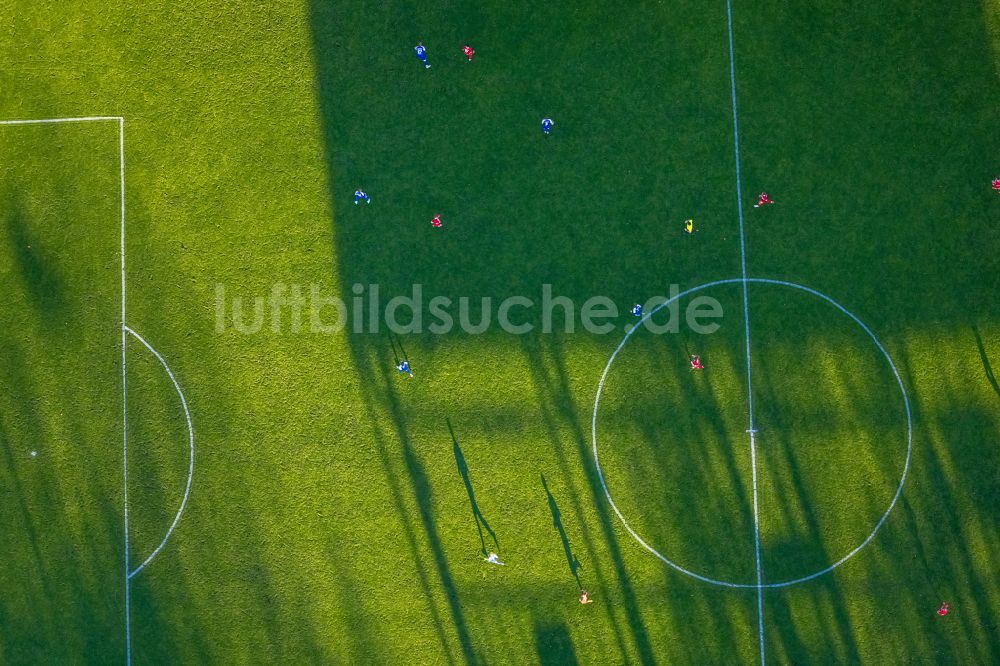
(422, 54)
(637, 310)
(546, 125)
(359, 195)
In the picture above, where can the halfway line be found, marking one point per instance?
(746, 326)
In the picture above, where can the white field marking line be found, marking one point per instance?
(121, 186)
(187, 417)
(51, 121)
(909, 426)
(121, 161)
(885, 355)
(746, 325)
(756, 521)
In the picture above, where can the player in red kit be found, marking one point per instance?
(696, 362)
(436, 222)
(943, 610)
(762, 200)
(467, 50)
(996, 184)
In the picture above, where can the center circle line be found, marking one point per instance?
(838, 306)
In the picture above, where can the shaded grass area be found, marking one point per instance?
(61, 581)
(819, 130)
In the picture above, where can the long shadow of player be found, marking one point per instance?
(574, 564)
(398, 353)
(987, 368)
(463, 469)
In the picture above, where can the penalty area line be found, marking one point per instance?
(54, 121)
(121, 160)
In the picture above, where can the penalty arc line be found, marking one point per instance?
(746, 325)
(190, 427)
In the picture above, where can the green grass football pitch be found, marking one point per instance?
(337, 511)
